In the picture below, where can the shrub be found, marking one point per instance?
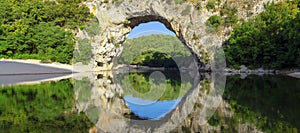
(211, 4)
(215, 21)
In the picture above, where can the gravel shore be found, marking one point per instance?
(295, 74)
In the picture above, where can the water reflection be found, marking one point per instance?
(45, 107)
(154, 85)
(153, 94)
(155, 110)
(254, 104)
(118, 104)
(269, 102)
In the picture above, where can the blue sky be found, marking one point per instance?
(149, 28)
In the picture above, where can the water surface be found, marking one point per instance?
(265, 103)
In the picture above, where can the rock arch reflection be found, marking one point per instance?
(103, 101)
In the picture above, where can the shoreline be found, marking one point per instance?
(244, 71)
(67, 70)
(38, 62)
(74, 68)
(79, 68)
(58, 70)
(42, 80)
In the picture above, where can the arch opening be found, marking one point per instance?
(153, 44)
(136, 21)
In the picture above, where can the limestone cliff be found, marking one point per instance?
(188, 19)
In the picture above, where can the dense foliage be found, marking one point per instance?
(271, 40)
(47, 107)
(154, 51)
(40, 29)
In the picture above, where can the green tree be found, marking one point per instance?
(40, 29)
(269, 40)
(215, 21)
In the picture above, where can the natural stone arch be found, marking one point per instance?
(184, 19)
(117, 19)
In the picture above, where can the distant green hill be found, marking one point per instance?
(153, 50)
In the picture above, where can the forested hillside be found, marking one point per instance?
(153, 50)
(40, 29)
(271, 40)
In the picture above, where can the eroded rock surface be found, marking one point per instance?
(187, 20)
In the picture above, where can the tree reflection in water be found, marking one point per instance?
(46, 107)
(256, 103)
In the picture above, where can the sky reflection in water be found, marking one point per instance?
(155, 110)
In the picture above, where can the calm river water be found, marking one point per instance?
(147, 101)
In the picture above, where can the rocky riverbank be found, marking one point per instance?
(244, 71)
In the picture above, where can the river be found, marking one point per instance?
(153, 101)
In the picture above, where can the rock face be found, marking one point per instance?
(117, 18)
